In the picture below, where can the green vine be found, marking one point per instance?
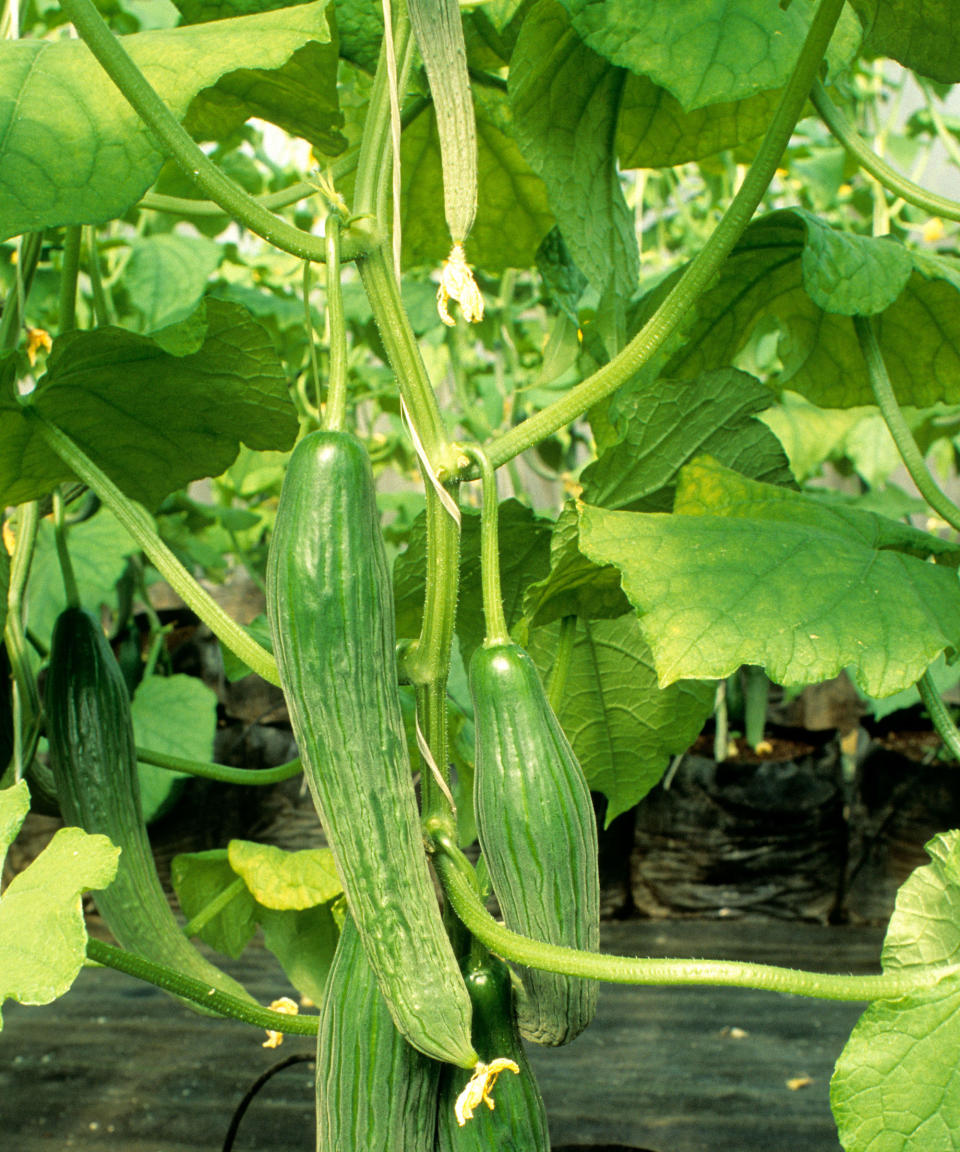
(222, 772)
(139, 525)
(699, 272)
(665, 972)
(893, 417)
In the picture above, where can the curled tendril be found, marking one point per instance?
(480, 1086)
(457, 283)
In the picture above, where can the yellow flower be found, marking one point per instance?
(289, 1008)
(479, 1087)
(37, 338)
(457, 283)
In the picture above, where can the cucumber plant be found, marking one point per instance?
(690, 273)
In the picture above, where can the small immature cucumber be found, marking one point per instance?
(375, 1092)
(538, 833)
(518, 1120)
(330, 604)
(94, 763)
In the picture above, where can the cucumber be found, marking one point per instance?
(518, 1121)
(375, 1092)
(538, 833)
(330, 606)
(94, 762)
(438, 29)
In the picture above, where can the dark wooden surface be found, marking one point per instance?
(116, 1066)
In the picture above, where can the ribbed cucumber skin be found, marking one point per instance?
(518, 1122)
(93, 756)
(438, 28)
(538, 833)
(330, 605)
(375, 1092)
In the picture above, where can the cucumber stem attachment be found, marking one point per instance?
(497, 631)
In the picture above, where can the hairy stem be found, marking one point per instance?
(909, 451)
(939, 714)
(666, 972)
(336, 407)
(140, 526)
(878, 168)
(177, 143)
(222, 772)
(496, 623)
(189, 988)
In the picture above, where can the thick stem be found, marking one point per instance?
(939, 714)
(176, 142)
(909, 451)
(63, 552)
(383, 292)
(878, 168)
(496, 623)
(699, 272)
(336, 407)
(667, 972)
(222, 772)
(139, 525)
(203, 994)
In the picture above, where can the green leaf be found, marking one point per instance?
(304, 942)
(198, 878)
(896, 1086)
(300, 97)
(809, 434)
(565, 102)
(105, 388)
(623, 727)
(73, 151)
(663, 424)
(792, 273)
(42, 932)
(574, 585)
(175, 715)
(285, 880)
(512, 211)
(99, 548)
(654, 131)
(166, 276)
(203, 11)
(754, 574)
(524, 544)
(924, 37)
(703, 51)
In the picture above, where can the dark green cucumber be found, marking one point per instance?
(94, 763)
(518, 1121)
(330, 604)
(375, 1092)
(538, 833)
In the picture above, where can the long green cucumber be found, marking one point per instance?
(375, 1092)
(330, 605)
(94, 763)
(538, 833)
(518, 1121)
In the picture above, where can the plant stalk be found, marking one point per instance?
(140, 526)
(893, 417)
(222, 772)
(668, 972)
(699, 272)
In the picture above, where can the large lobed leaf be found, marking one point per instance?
(565, 102)
(702, 51)
(623, 726)
(42, 932)
(793, 274)
(748, 573)
(922, 34)
(152, 420)
(73, 151)
(896, 1086)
